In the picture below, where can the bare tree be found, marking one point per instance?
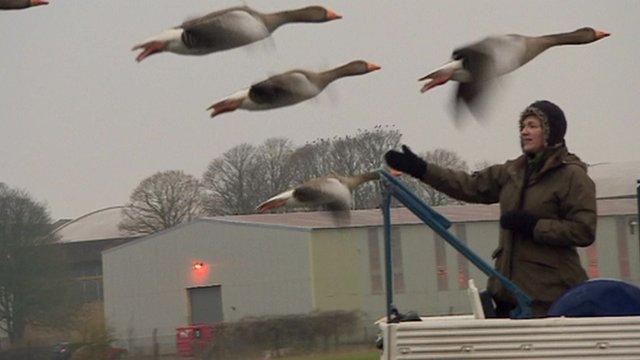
(371, 145)
(246, 175)
(33, 280)
(347, 155)
(233, 182)
(161, 201)
(273, 158)
(308, 161)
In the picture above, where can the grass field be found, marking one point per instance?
(360, 354)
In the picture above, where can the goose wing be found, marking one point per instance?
(290, 87)
(224, 29)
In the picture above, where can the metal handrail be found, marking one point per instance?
(438, 223)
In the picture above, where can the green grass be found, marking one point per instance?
(363, 354)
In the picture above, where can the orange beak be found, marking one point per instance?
(601, 34)
(38, 2)
(372, 67)
(332, 15)
(395, 172)
(149, 49)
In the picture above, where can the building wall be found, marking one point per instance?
(262, 271)
(337, 276)
(276, 270)
(617, 249)
(435, 275)
(431, 269)
(349, 274)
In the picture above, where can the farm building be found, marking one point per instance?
(228, 268)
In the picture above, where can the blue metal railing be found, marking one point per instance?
(438, 223)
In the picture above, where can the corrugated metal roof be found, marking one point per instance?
(402, 216)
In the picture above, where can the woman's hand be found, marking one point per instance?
(406, 161)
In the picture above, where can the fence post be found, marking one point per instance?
(156, 346)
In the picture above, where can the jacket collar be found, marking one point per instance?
(559, 158)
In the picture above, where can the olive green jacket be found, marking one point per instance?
(561, 195)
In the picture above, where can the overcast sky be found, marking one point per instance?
(81, 123)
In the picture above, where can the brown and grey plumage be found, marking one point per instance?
(20, 4)
(228, 29)
(474, 66)
(288, 88)
(331, 191)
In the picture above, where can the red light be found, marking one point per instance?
(198, 266)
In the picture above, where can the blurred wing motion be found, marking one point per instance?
(226, 29)
(288, 88)
(477, 65)
(327, 191)
(332, 191)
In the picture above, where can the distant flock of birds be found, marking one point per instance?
(473, 67)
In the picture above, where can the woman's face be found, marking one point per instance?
(532, 135)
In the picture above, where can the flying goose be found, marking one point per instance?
(475, 65)
(20, 4)
(288, 88)
(227, 29)
(332, 191)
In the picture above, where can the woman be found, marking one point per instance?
(547, 206)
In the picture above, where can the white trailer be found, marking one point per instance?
(474, 337)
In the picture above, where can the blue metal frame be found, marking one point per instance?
(393, 187)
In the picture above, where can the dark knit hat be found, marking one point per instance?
(552, 118)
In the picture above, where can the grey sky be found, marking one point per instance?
(81, 123)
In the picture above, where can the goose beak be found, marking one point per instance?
(332, 15)
(224, 106)
(395, 172)
(149, 49)
(38, 2)
(601, 34)
(372, 67)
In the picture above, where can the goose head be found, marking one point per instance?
(316, 14)
(581, 36)
(590, 35)
(169, 40)
(360, 67)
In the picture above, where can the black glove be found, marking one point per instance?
(406, 161)
(519, 221)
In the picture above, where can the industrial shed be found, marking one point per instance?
(229, 268)
(83, 239)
